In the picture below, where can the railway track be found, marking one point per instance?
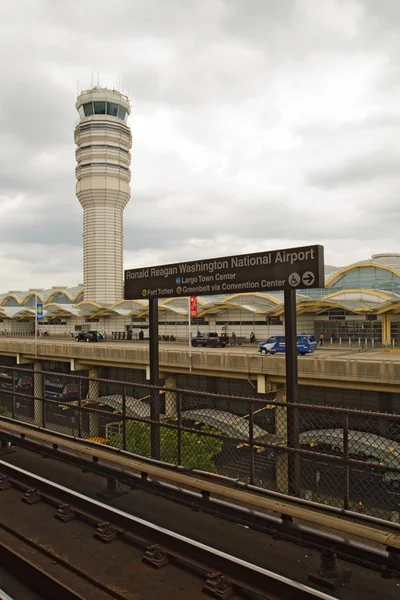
(93, 550)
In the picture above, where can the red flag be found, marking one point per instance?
(193, 306)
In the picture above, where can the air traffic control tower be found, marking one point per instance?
(103, 141)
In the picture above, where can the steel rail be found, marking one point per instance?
(25, 570)
(4, 595)
(362, 526)
(279, 528)
(59, 560)
(241, 574)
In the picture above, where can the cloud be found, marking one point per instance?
(255, 125)
(356, 171)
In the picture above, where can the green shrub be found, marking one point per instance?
(198, 450)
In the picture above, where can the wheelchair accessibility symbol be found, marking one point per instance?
(294, 279)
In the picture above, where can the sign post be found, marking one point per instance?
(288, 270)
(154, 379)
(292, 390)
(192, 315)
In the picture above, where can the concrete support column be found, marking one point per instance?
(282, 470)
(386, 330)
(93, 391)
(385, 406)
(212, 385)
(171, 407)
(212, 326)
(38, 391)
(93, 396)
(261, 385)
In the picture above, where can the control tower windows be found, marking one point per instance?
(103, 108)
(122, 113)
(99, 108)
(112, 109)
(88, 109)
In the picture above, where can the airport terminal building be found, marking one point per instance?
(361, 302)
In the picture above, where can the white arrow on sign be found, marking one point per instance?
(308, 278)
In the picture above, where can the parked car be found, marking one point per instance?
(88, 336)
(392, 479)
(213, 340)
(57, 390)
(276, 343)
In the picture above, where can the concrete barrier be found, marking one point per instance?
(361, 374)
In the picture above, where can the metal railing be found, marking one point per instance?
(342, 457)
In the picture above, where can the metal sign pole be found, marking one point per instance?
(154, 379)
(292, 390)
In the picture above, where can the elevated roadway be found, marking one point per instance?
(337, 368)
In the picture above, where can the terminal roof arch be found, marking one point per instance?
(60, 292)
(65, 309)
(339, 275)
(258, 294)
(129, 303)
(88, 304)
(382, 295)
(10, 301)
(223, 307)
(169, 300)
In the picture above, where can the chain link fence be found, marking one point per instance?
(342, 457)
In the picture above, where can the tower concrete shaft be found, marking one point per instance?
(103, 141)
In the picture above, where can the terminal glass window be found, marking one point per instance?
(88, 109)
(81, 112)
(122, 113)
(31, 301)
(99, 108)
(112, 109)
(369, 278)
(11, 302)
(60, 298)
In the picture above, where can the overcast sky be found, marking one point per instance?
(257, 124)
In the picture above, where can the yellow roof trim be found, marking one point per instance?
(303, 307)
(168, 300)
(258, 294)
(60, 291)
(393, 306)
(96, 304)
(56, 304)
(359, 291)
(219, 308)
(345, 270)
(11, 296)
(100, 312)
(125, 300)
(29, 294)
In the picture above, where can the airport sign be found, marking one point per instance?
(289, 269)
